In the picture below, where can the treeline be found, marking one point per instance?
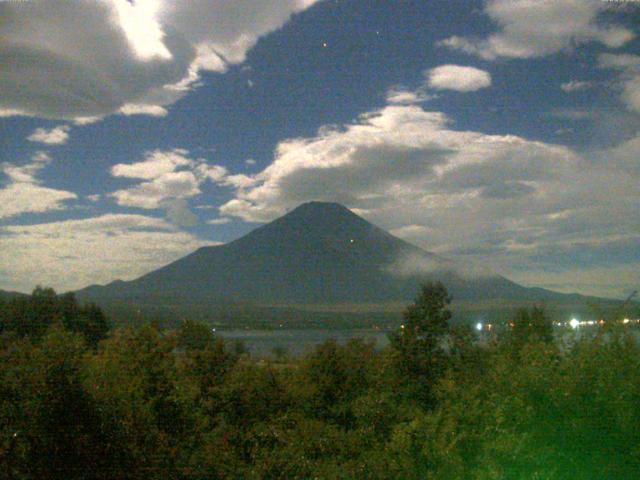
(145, 403)
(32, 315)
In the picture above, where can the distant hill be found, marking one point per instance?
(5, 295)
(318, 254)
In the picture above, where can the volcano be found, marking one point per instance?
(319, 253)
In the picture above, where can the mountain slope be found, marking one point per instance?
(8, 295)
(319, 253)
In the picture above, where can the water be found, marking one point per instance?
(297, 342)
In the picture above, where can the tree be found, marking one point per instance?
(419, 344)
(93, 324)
(31, 316)
(531, 326)
(194, 336)
(49, 425)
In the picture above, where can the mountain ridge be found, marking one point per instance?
(318, 253)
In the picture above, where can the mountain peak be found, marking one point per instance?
(320, 208)
(317, 219)
(318, 253)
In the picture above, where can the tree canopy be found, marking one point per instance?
(146, 403)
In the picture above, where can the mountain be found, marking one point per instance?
(7, 295)
(319, 253)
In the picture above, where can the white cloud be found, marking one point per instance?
(444, 77)
(56, 136)
(156, 193)
(529, 29)
(80, 121)
(411, 233)
(169, 179)
(139, 21)
(142, 109)
(179, 214)
(24, 194)
(401, 96)
(629, 66)
(400, 151)
(576, 86)
(496, 199)
(18, 198)
(459, 78)
(96, 250)
(156, 164)
(85, 59)
(219, 221)
(223, 31)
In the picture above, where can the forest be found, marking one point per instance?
(80, 399)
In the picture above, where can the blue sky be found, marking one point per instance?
(505, 133)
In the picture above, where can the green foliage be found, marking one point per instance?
(333, 376)
(194, 336)
(32, 315)
(531, 326)
(420, 343)
(148, 404)
(49, 426)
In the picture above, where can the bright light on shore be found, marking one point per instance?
(479, 326)
(574, 323)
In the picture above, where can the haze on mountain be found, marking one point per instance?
(319, 253)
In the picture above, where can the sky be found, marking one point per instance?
(503, 133)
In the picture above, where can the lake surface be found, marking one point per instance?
(298, 341)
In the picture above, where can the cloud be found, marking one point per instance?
(402, 96)
(411, 233)
(156, 164)
(85, 59)
(56, 136)
(629, 66)
(223, 31)
(219, 221)
(167, 179)
(576, 86)
(444, 77)
(18, 198)
(411, 265)
(494, 199)
(414, 264)
(399, 151)
(96, 250)
(179, 214)
(625, 156)
(24, 194)
(528, 29)
(142, 109)
(459, 78)
(156, 193)
(606, 281)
